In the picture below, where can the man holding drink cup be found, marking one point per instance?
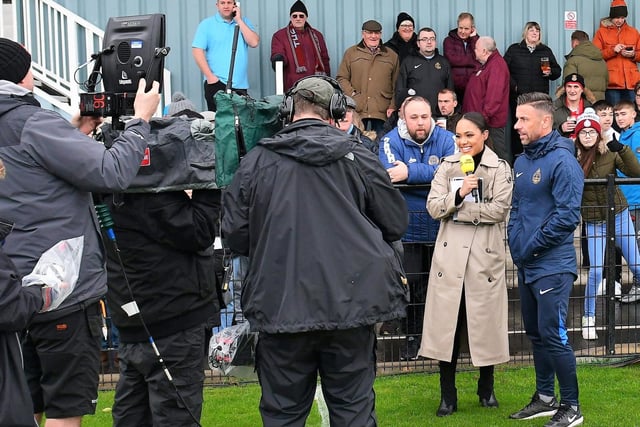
(573, 98)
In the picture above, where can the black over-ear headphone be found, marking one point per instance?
(337, 105)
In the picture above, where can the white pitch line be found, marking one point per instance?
(322, 407)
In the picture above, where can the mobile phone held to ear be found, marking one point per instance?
(235, 4)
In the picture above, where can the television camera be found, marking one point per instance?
(132, 48)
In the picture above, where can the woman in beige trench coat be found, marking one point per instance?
(467, 288)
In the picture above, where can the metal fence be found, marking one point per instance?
(617, 324)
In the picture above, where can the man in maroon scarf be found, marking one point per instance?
(301, 48)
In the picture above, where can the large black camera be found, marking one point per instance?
(133, 48)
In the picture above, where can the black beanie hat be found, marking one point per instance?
(15, 61)
(618, 9)
(403, 16)
(298, 7)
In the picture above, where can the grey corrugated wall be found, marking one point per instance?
(340, 21)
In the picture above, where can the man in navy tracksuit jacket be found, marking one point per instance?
(411, 153)
(545, 213)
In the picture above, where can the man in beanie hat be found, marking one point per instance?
(181, 106)
(300, 47)
(301, 335)
(51, 168)
(572, 98)
(620, 46)
(403, 41)
(212, 49)
(368, 73)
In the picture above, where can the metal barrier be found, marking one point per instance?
(617, 324)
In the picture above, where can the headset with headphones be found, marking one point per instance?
(337, 105)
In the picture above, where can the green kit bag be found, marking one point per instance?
(240, 123)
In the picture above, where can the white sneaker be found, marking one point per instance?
(589, 328)
(633, 295)
(602, 289)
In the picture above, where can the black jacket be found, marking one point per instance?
(524, 68)
(314, 210)
(18, 305)
(166, 245)
(425, 76)
(401, 47)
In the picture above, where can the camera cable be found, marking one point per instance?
(106, 222)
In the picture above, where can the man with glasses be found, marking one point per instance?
(425, 72)
(300, 47)
(368, 73)
(403, 41)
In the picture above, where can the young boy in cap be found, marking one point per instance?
(620, 46)
(573, 98)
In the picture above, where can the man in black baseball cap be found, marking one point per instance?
(307, 193)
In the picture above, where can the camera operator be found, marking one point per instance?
(51, 168)
(315, 212)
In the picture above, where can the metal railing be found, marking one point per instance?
(618, 325)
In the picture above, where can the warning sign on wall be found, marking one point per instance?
(570, 20)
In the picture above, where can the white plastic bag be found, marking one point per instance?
(57, 271)
(232, 350)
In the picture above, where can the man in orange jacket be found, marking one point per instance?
(620, 46)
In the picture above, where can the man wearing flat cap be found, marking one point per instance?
(368, 73)
(315, 212)
(620, 46)
(51, 168)
(300, 47)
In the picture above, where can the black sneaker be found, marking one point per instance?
(536, 408)
(566, 417)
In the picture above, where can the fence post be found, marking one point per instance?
(611, 265)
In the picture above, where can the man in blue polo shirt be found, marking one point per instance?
(212, 46)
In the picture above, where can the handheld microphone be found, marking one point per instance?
(468, 165)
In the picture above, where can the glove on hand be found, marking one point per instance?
(615, 146)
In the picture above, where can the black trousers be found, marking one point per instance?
(417, 262)
(211, 89)
(288, 366)
(448, 389)
(145, 397)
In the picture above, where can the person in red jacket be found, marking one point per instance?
(301, 48)
(488, 93)
(620, 46)
(458, 48)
